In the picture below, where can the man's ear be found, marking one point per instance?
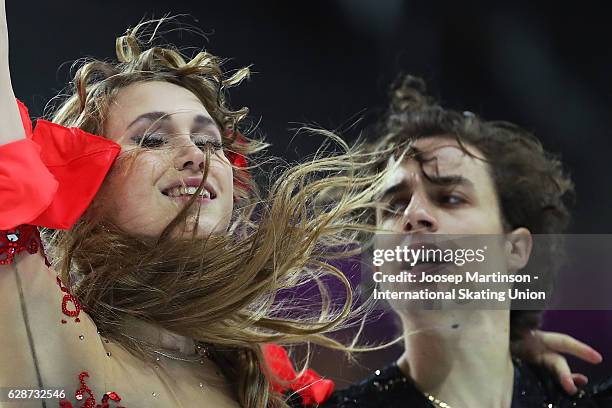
(518, 248)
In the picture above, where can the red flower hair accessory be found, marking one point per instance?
(310, 386)
(236, 158)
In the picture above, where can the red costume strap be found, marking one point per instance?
(312, 388)
(49, 178)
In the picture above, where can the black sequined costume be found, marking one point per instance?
(533, 388)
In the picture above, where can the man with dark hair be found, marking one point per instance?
(454, 173)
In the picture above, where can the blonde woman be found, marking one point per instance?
(157, 288)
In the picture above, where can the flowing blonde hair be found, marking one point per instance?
(222, 289)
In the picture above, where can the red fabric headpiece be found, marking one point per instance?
(312, 388)
(236, 158)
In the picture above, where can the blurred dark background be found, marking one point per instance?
(544, 65)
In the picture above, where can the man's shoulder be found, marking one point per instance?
(387, 387)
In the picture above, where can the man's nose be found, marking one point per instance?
(419, 215)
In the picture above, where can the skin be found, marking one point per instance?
(463, 341)
(421, 208)
(11, 127)
(133, 196)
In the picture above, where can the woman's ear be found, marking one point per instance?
(518, 248)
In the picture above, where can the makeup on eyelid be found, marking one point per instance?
(145, 141)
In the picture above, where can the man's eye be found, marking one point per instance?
(395, 207)
(451, 199)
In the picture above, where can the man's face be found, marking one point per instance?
(442, 198)
(446, 192)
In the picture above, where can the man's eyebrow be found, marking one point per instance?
(450, 180)
(200, 120)
(396, 188)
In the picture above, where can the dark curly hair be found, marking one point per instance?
(533, 190)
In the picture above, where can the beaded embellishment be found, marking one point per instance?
(19, 239)
(90, 401)
(27, 238)
(70, 305)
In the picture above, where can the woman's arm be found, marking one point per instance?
(545, 348)
(11, 127)
(49, 176)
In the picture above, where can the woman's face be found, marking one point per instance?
(142, 198)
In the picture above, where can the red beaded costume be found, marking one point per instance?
(48, 179)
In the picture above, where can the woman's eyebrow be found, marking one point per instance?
(204, 121)
(200, 120)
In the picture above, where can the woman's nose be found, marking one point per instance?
(190, 156)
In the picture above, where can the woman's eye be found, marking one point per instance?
(152, 142)
(216, 145)
(149, 142)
